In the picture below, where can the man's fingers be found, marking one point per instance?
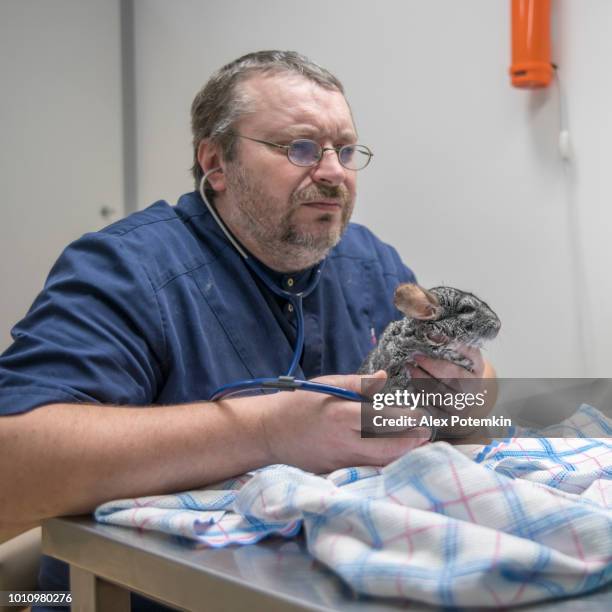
(439, 368)
(372, 383)
(363, 384)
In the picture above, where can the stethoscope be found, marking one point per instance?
(288, 382)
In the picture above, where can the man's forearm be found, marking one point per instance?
(67, 459)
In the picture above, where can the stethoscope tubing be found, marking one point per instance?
(284, 383)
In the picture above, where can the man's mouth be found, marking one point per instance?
(327, 205)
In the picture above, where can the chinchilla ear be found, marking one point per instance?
(416, 302)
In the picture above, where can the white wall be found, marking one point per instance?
(61, 141)
(586, 52)
(467, 181)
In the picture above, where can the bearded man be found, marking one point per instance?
(105, 392)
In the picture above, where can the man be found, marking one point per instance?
(159, 310)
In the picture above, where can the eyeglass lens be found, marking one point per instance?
(308, 152)
(304, 152)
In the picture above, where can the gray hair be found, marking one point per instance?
(220, 103)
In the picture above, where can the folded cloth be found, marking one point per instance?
(525, 520)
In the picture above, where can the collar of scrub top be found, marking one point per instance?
(286, 382)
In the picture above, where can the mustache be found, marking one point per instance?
(312, 193)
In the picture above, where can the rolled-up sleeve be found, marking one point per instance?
(94, 334)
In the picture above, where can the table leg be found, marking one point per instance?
(93, 594)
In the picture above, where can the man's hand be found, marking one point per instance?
(480, 380)
(441, 369)
(321, 433)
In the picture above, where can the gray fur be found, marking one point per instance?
(436, 322)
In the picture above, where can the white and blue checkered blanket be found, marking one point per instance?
(520, 520)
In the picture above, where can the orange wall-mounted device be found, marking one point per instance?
(531, 49)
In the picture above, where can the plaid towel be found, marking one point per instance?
(521, 521)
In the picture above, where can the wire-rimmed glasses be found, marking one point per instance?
(305, 152)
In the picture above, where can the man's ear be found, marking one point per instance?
(209, 158)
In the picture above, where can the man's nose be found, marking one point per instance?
(329, 170)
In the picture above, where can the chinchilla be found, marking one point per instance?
(437, 321)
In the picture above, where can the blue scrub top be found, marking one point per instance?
(159, 308)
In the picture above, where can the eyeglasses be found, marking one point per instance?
(304, 152)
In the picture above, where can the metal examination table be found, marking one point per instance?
(276, 574)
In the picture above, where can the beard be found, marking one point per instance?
(278, 238)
